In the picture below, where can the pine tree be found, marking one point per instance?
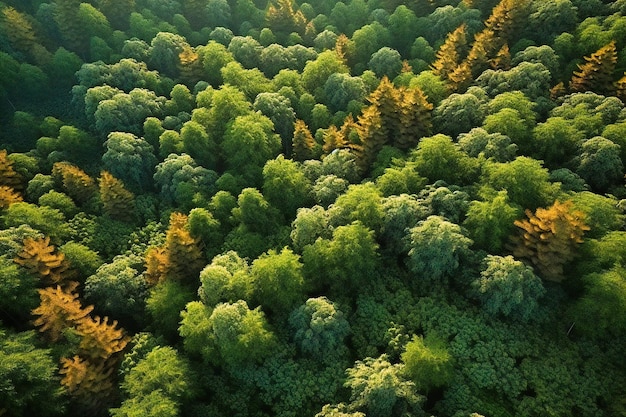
(77, 184)
(8, 196)
(303, 142)
(8, 176)
(39, 258)
(333, 140)
(99, 339)
(548, 238)
(157, 265)
(281, 17)
(596, 74)
(415, 118)
(343, 48)
(506, 18)
(184, 251)
(451, 52)
(88, 383)
(502, 60)
(58, 310)
(117, 201)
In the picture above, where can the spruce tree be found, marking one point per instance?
(596, 74)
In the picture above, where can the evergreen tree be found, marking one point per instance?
(117, 201)
(549, 237)
(8, 176)
(303, 142)
(40, 259)
(451, 52)
(596, 74)
(74, 180)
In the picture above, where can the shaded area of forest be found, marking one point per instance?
(257, 209)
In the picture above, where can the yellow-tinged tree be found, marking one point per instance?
(76, 182)
(58, 310)
(333, 140)
(189, 65)
(39, 257)
(157, 264)
(303, 142)
(117, 201)
(549, 237)
(8, 196)
(415, 118)
(100, 339)
(596, 73)
(91, 383)
(502, 60)
(8, 176)
(184, 251)
(281, 17)
(18, 29)
(451, 52)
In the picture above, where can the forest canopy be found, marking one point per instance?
(280, 208)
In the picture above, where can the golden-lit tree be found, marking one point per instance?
(282, 17)
(596, 74)
(502, 60)
(180, 258)
(303, 142)
(90, 383)
(549, 237)
(117, 201)
(344, 48)
(18, 29)
(99, 339)
(39, 257)
(189, 65)
(8, 196)
(8, 176)
(59, 310)
(415, 118)
(333, 140)
(76, 182)
(451, 52)
(507, 17)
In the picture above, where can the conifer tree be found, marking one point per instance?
(303, 142)
(451, 52)
(99, 339)
(67, 19)
(548, 238)
(502, 60)
(596, 74)
(8, 176)
(281, 17)
(117, 201)
(8, 196)
(89, 383)
(78, 185)
(184, 251)
(333, 140)
(157, 265)
(59, 309)
(415, 118)
(343, 48)
(39, 258)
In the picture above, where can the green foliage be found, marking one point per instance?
(17, 292)
(164, 303)
(508, 287)
(362, 203)
(29, 381)
(600, 163)
(436, 249)
(438, 158)
(50, 221)
(226, 279)
(427, 362)
(378, 387)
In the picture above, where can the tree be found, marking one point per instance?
(508, 287)
(163, 370)
(478, 143)
(317, 72)
(117, 201)
(557, 141)
(427, 362)
(231, 333)
(29, 380)
(279, 110)
(348, 260)
(458, 113)
(127, 112)
(362, 203)
(8, 176)
(117, 11)
(524, 179)
(214, 57)
(450, 53)
(549, 237)
(198, 144)
(249, 143)
(283, 19)
(59, 309)
(99, 339)
(379, 388)
(320, 329)
(490, 222)
(386, 62)
(19, 30)
(596, 74)
(285, 186)
(226, 279)
(278, 280)
(303, 143)
(39, 258)
(438, 158)
(403, 28)
(436, 249)
(600, 163)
